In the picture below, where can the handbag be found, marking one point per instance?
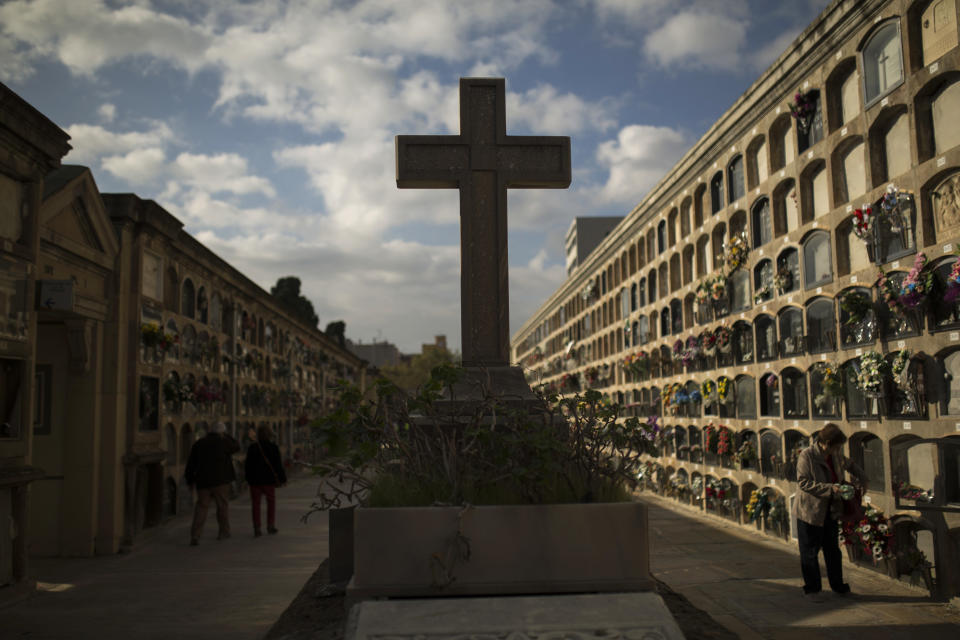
(269, 466)
(853, 511)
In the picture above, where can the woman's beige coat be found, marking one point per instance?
(816, 498)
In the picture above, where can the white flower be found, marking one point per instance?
(882, 528)
(865, 528)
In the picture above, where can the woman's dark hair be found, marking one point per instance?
(264, 433)
(831, 435)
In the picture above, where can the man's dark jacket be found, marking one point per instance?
(257, 471)
(210, 463)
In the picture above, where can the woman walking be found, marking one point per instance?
(819, 506)
(264, 472)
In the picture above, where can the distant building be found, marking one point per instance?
(584, 235)
(439, 343)
(378, 354)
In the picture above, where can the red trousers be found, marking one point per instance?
(267, 491)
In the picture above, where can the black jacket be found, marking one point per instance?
(256, 469)
(211, 463)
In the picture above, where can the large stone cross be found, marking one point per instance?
(483, 162)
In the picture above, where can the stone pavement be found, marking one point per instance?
(239, 587)
(164, 588)
(751, 584)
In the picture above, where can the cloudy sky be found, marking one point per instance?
(267, 126)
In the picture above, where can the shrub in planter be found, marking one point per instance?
(492, 493)
(400, 450)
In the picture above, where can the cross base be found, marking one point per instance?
(503, 385)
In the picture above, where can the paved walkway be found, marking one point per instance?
(751, 585)
(239, 587)
(166, 589)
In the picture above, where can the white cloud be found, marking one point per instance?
(698, 39)
(90, 142)
(139, 167)
(637, 160)
(544, 111)
(408, 291)
(107, 112)
(14, 62)
(637, 13)
(86, 34)
(219, 172)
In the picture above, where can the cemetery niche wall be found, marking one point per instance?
(814, 231)
(120, 343)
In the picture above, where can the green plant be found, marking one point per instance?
(400, 449)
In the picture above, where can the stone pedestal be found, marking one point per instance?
(640, 616)
(504, 386)
(500, 550)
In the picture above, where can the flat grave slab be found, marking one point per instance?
(633, 616)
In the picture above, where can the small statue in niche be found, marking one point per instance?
(946, 200)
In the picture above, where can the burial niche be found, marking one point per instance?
(882, 62)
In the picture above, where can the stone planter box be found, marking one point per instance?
(527, 549)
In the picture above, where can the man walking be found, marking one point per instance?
(210, 468)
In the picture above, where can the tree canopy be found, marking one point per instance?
(336, 331)
(411, 374)
(287, 292)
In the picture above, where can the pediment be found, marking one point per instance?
(73, 216)
(73, 222)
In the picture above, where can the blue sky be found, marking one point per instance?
(267, 127)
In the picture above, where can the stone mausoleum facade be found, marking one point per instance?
(739, 301)
(122, 340)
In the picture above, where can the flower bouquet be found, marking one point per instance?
(890, 294)
(912, 492)
(745, 455)
(718, 287)
(783, 280)
(150, 334)
(592, 375)
(759, 505)
(953, 284)
(735, 252)
(710, 438)
(763, 294)
(864, 220)
(691, 351)
(779, 515)
(873, 534)
(723, 389)
(772, 382)
(697, 485)
(918, 284)
(651, 429)
(803, 108)
(890, 206)
(708, 390)
(724, 441)
(677, 350)
(703, 293)
(899, 369)
(856, 305)
(831, 386)
(723, 336)
(708, 342)
(870, 372)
